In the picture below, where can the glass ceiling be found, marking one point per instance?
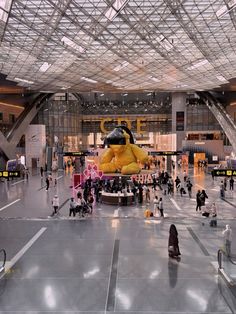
(118, 45)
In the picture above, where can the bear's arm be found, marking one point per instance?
(139, 153)
(107, 156)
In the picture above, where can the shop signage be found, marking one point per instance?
(166, 153)
(143, 178)
(9, 174)
(224, 172)
(140, 123)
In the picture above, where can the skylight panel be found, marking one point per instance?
(121, 66)
(88, 80)
(72, 44)
(221, 78)
(115, 9)
(226, 9)
(5, 6)
(198, 64)
(44, 67)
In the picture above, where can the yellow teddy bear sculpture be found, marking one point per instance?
(122, 154)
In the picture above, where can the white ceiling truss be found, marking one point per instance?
(118, 45)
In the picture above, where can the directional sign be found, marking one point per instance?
(80, 154)
(9, 174)
(166, 153)
(224, 172)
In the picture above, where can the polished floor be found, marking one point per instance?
(104, 264)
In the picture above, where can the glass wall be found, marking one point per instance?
(199, 117)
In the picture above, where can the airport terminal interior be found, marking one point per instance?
(117, 156)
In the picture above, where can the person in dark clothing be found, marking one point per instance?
(140, 193)
(47, 183)
(203, 197)
(177, 182)
(173, 243)
(199, 201)
(189, 188)
(41, 171)
(231, 184)
(73, 205)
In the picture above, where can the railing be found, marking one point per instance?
(227, 266)
(3, 257)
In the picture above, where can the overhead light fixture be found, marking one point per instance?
(221, 78)
(125, 94)
(23, 80)
(198, 64)
(101, 94)
(155, 79)
(66, 87)
(115, 9)
(121, 66)
(72, 44)
(226, 8)
(88, 80)
(44, 67)
(149, 94)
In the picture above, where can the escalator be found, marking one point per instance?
(221, 115)
(227, 281)
(30, 110)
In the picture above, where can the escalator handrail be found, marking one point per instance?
(4, 259)
(219, 253)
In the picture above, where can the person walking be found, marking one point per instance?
(199, 201)
(213, 212)
(222, 189)
(231, 184)
(227, 233)
(160, 206)
(203, 197)
(173, 242)
(55, 204)
(155, 206)
(189, 188)
(177, 182)
(41, 171)
(73, 205)
(47, 183)
(148, 197)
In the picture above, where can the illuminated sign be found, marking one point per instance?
(224, 172)
(79, 154)
(9, 174)
(140, 123)
(165, 153)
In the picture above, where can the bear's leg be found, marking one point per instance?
(131, 168)
(108, 167)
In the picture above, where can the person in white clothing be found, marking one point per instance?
(227, 233)
(55, 204)
(156, 208)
